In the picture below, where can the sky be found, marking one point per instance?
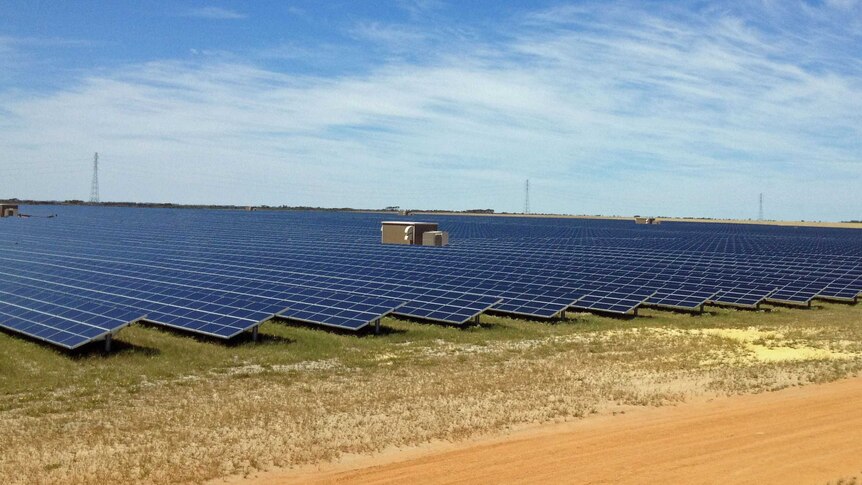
(614, 108)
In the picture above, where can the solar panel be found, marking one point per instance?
(846, 287)
(682, 297)
(535, 308)
(350, 312)
(615, 298)
(226, 298)
(743, 296)
(458, 311)
(185, 310)
(67, 322)
(798, 292)
(441, 305)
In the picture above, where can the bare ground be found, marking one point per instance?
(799, 435)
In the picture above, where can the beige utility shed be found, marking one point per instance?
(8, 210)
(404, 232)
(435, 238)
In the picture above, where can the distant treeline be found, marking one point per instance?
(168, 205)
(467, 211)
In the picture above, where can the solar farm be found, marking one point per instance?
(81, 277)
(241, 342)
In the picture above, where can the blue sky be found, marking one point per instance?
(663, 108)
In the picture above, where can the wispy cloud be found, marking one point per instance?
(6, 45)
(18, 53)
(215, 13)
(396, 36)
(843, 4)
(38, 42)
(606, 110)
(419, 8)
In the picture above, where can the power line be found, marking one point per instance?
(527, 197)
(94, 186)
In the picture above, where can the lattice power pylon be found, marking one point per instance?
(94, 186)
(760, 210)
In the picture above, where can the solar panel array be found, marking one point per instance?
(90, 271)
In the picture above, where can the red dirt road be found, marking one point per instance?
(811, 434)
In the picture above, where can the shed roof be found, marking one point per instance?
(408, 223)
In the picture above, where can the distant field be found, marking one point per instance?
(840, 225)
(168, 408)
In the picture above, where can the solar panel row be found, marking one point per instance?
(66, 321)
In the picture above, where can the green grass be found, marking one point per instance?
(166, 407)
(150, 353)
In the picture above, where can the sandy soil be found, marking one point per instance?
(811, 434)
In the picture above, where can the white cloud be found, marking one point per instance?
(9, 41)
(420, 8)
(17, 53)
(843, 4)
(215, 13)
(605, 112)
(398, 37)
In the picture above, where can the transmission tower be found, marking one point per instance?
(94, 186)
(527, 197)
(760, 211)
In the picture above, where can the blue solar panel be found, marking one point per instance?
(743, 296)
(799, 292)
(458, 311)
(447, 306)
(68, 322)
(846, 287)
(615, 298)
(344, 311)
(185, 310)
(683, 297)
(241, 305)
